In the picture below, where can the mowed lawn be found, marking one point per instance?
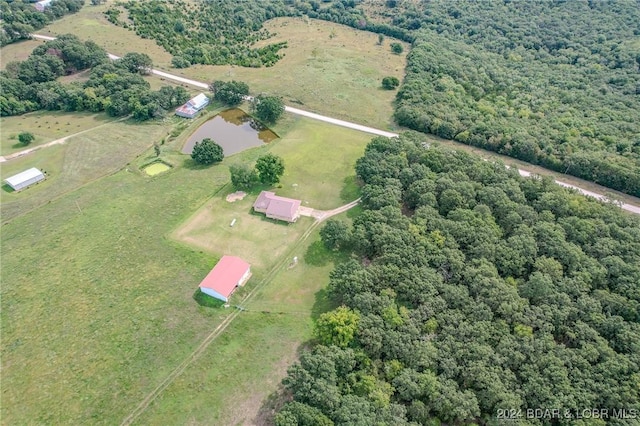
(97, 301)
(82, 159)
(328, 68)
(233, 379)
(319, 170)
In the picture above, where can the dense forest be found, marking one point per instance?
(554, 83)
(117, 87)
(20, 18)
(471, 291)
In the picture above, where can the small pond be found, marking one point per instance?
(233, 130)
(156, 168)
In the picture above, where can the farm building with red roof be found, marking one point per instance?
(230, 272)
(276, 207)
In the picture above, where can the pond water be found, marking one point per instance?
(233, 130)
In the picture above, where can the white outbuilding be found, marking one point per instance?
(25, 179)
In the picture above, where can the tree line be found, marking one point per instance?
(470, 289)
(552, 83)
(20, 18)
(116, 87)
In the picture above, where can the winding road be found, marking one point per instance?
(628, 207)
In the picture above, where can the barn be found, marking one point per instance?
(193, 106)
(228, 274)
(24, 179)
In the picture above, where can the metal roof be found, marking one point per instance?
(199, 102)
(22, 177)
(224, 277)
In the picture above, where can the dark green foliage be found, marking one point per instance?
(267, 108)
(538, 92)
(335, 234)
(490, 290)
(116, 88)
(390, 83)
(25, 138)
(298, 414)
(20, 18)
(243, 177)
(180, 62)
(270, 168)
(396, 48)
(212, 33)
(207, 152)
(136, 63)
(231, 93)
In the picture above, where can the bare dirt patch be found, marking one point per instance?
(236, 196)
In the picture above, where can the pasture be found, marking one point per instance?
(328, 68)
(79, 161)
(97, 300)
(17, 51)
(46, 126)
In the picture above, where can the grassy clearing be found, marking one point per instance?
(97, 304)
(319, 163)
(231, 381)
(90, 24)
(17, 51)
(328, 68)
(46, 126)
(255, 238)
(81, 160)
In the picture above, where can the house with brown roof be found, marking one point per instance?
(276, 207)
(229, 273)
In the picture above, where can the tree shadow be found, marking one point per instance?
(322, 304)
(350, 189)
(190, 164)
(272, 405)
(317, 254)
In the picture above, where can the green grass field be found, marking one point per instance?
(79, 161)
(17, 51)
(328, 68)
(46, 126)
(97, 300)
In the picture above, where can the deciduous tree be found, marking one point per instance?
(270, 168)
(268, 108)
(243, 176)
(25, 138)
(207, 152)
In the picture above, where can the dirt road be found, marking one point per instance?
(628, 207)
